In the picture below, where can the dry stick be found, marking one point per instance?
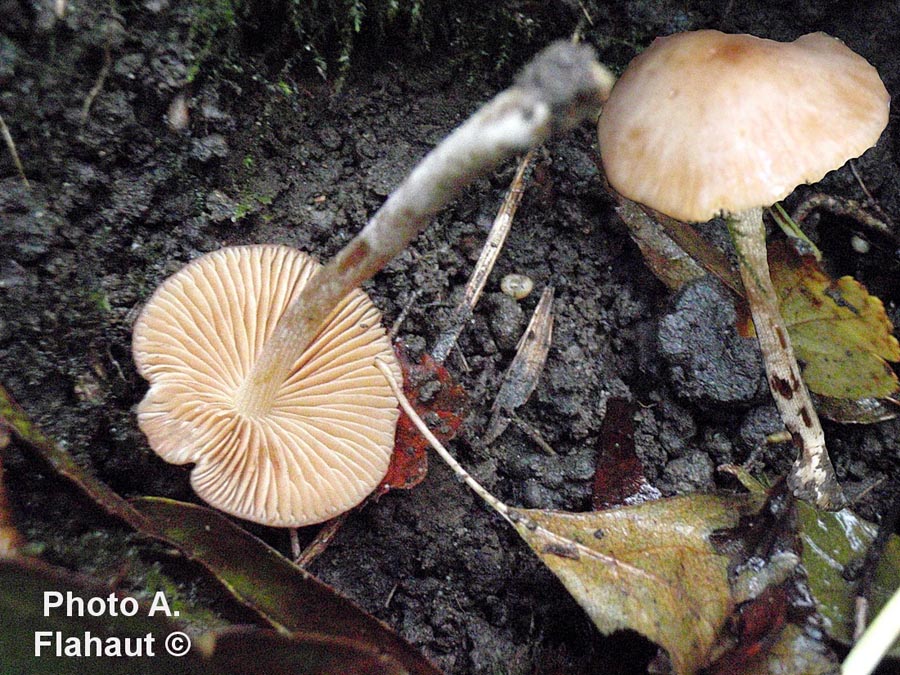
(876, 641)
(320, 542)
(457, 468)
(489, 253)
(848, 208)
(522, 375)
(98, 85)
(812, 476)
(11, 146)
(561, 87)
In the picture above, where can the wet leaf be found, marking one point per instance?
(20, 427)
(861, 411)
(23, 583)
(832, 543)
(651, 568)
(840, 333)
(235, 651)
(436, 395)
(619, 477)
(282, 594)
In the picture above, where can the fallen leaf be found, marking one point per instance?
(666, 259)
(832, 543)
(651, 568)
(61, 462)
(619, 477)
(435, 395)
(285, 596)
(840, 333)
(860, 411)
(234, 651)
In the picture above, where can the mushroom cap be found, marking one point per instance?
(327, 441)
(705, 123)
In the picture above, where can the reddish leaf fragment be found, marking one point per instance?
(437, 398)
(779, 614)
(756, 627)
(619, 478)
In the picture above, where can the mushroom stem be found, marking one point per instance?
(561, 87)
(812, 476)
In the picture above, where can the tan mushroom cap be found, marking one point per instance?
(705, 123)
(327, 441)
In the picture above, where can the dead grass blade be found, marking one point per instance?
(489, 253)
(523, 373)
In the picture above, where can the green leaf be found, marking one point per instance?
(831, 542)
(840, 333)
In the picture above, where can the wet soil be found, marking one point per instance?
(119, 198)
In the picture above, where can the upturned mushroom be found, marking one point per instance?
(326, 442)
(707, 124)
(261, 368)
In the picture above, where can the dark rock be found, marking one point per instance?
(709, 363)
(209, 148)
(691, 473)
(505, 319)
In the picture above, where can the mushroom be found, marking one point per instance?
(704, 124)
(261, 367)
(326, 442)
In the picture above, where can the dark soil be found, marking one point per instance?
(120, 199)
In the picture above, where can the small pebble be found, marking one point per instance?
(859, 244)
(516, 286)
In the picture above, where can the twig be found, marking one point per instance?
(847, 208)
(321, 541)
(457, 468)
(562, 86)
(862, 185)
(395, 328)
(11, 146)
(98, 85)
(876, 641)
(489, 253)
(534, 435)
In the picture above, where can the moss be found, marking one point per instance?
(209, 19)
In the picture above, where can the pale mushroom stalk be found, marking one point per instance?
(796, 110)
(812, 477)
(561, 87)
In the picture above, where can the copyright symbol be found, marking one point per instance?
(177, 643)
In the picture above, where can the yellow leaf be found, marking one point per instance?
(650, 568)
(840, 333)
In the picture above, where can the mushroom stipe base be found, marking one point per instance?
(812, 476)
